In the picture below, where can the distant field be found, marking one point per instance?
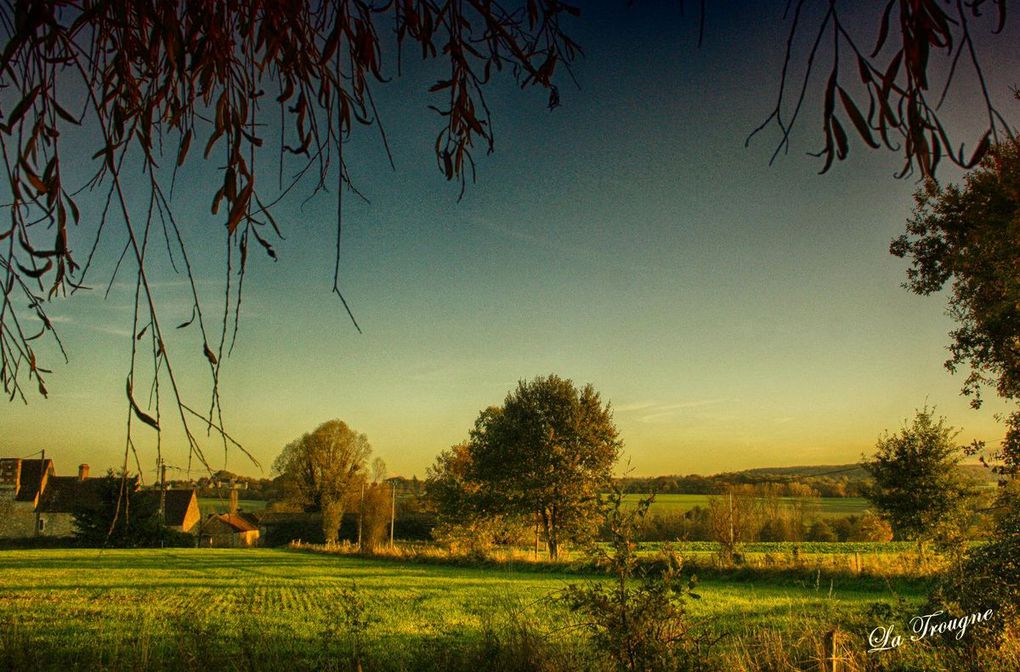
(829, 507)
(215, 505)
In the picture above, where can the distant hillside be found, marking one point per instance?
(826, 480)
(851, 472)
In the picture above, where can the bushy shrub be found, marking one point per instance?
(642, 625)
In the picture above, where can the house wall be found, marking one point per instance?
(57, 524)
(17, 519)
(230, 539)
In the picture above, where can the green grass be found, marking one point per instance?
(215, 505)
(829, 507)
(67, 595)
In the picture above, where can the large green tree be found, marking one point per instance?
(321, 468)
(918, 484)
(967, 237)
(547, 451)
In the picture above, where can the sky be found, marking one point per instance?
(735, 314)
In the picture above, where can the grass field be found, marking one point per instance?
(830, 507)
(213, 505)
(80, 601)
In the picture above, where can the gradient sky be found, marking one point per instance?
(735, 315)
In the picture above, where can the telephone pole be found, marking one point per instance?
(393, 508)
(361, 514)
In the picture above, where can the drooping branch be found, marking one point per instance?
(160, 83)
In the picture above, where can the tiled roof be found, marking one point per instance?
(32, 472)
(237, 522)
(177, 503)
(65, 494)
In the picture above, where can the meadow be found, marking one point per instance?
(257, 609)
(221, 505)
(829, 507)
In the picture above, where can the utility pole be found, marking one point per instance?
(162, 491)
(731, 520)
(38, 495)
(361, 514)
(393, 508)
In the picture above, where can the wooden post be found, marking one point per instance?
(832, 657)
(536, 534)
(38, 495)
(162, 490)
(361, 514)
(393, 508)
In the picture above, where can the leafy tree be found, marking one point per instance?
(149, 81)
(547, 451)
(463, 521)
(321, 468)
(965, 237)
(918, 484)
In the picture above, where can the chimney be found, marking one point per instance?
(83, 472)
(233, 501)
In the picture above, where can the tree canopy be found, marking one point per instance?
(547, 452)
(321, 468)
(918, 485)
(965, 237)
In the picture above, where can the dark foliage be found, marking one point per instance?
(547, 452)
(121, 517)
(966, 237)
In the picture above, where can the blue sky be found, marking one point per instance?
(735, 314)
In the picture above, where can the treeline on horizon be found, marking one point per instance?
(847, 480)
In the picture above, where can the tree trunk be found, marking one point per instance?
(550, 539)
(332, 512)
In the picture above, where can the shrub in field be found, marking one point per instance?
(988, 577)
(641, 626)
(820, 531)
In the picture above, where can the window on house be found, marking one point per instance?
(42, 524)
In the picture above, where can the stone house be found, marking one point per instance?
(35, 502)
(228, 530)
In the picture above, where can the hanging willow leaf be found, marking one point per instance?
(139, 413)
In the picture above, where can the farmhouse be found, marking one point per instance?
(228, 530)
(35, 502)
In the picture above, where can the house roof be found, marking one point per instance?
(32, 474)
(227, 522)
(177, 504)
(65, 494)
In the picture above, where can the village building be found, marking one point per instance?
(233, 529)
(35, 502)
(228, 530)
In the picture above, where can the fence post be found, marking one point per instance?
(832, 658)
